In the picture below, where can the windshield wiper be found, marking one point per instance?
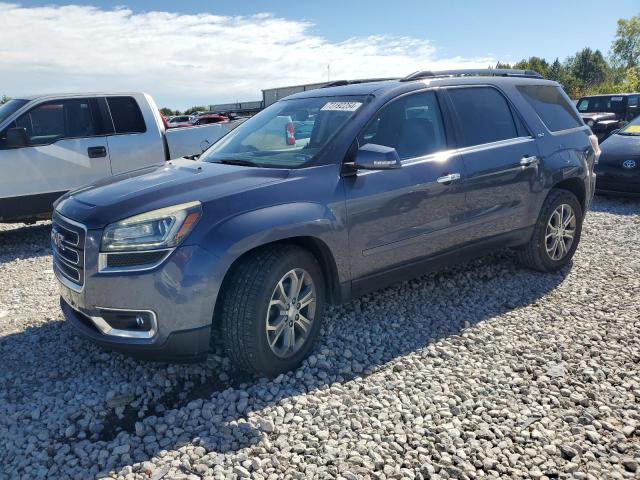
(237, 161)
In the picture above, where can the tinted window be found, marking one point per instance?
(552, 106)
(7, 109)
(412, 125)
(51, 121)
(484, 115)
(633, 101)
(127, 117)
(602, 104)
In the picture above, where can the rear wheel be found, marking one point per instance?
(556, 234)
(272, 309)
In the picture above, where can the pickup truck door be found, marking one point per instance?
(396, 217)
(501, 161)
(64, 151)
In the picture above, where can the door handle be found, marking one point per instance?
(447, 179)
(528, 161)
(96, 152)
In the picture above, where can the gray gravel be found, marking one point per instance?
(485, 370)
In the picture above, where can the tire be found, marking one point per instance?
(246, 304)
(535, 254)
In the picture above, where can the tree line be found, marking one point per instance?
(589, 72)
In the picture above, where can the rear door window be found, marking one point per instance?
(552, 106)
(126, 115)
(484, 116)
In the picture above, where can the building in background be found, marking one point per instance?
(272, 95)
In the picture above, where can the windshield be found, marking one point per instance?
(7, 109)
(613, 103)
(288, 134)
(632, 128)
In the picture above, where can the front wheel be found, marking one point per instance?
(556, 234)
(272, 309)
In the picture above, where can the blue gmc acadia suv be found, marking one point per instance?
(321, 197)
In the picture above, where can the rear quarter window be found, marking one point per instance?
(126, 115)
(552, 106)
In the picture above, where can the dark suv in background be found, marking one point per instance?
(384, 181)
(605, 114)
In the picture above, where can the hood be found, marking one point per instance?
(618, 148)
(178, 181)
(598, 116)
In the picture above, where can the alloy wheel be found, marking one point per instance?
(560, 233)
(291, 313)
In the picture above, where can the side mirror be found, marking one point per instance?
(17, 137)
(377, 157)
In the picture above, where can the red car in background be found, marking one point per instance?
(207, 118)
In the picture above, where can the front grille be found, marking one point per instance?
(67, 245)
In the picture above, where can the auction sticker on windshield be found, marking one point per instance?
(341, 106)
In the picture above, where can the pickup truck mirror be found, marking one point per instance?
(17, 137)
(377, 157)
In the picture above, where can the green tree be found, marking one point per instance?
(195, 109)
(588, 67)
(538, 64)
(625, 50)
(167, 112)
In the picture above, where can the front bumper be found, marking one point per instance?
(183, 345)
(179, 295)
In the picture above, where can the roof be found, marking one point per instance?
(610, 95)
(373, 88)
(74, 95)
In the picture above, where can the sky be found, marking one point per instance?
(187, 53)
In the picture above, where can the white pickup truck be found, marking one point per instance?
(51, 144)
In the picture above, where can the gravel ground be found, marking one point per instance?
(485, 370)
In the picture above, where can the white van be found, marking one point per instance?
(51, 144)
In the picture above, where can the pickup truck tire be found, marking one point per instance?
(261, 294)
(556, 234)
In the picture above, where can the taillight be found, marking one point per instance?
(290, 132)
(596, 146)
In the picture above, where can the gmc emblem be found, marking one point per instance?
(57, 239)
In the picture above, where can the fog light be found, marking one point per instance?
(135, 321)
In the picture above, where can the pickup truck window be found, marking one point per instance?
(9, 108)
(484, 115)
(288, 134)
(551, 106)
(412, 125)
(126, 115)
(52, 121)
(602, 104)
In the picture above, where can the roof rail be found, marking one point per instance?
(492, 72)
(340, 83)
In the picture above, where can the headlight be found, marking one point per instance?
(163, 228)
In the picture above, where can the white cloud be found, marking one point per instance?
(188, 59)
